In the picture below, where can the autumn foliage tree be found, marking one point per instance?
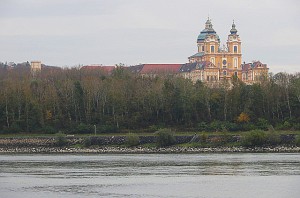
(243, 118)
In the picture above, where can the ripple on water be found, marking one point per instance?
(152, 175)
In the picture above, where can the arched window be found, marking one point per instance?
(224, 73)
(235, 49)
(212, 49)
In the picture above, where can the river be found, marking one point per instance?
(240, 175)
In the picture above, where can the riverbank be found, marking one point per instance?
(145, 150)
(147, 144)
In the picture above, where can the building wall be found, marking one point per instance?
(35, 66)
(227, 59)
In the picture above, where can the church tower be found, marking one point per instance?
(208, 43)
(212, 63)
(234, 49)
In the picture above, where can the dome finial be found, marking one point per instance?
(208, 24)
(233, 30)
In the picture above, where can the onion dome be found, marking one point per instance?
(207, 31)
(233, 30)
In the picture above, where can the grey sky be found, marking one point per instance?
(72, 32)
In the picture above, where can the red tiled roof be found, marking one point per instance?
(258, 64)
(160, 68)
(254, 65)
(246, 67)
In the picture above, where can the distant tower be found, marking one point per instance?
(35, 67)
(234, 48)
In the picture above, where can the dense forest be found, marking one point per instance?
(74, 101)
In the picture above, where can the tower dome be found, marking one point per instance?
(207, 31)
(233, 30)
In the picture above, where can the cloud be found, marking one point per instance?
(67, 32)
(48, 8)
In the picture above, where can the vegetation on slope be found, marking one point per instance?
(76, 101)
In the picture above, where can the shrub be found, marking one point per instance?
(84, 128)
(215, 126)
(254, 138)
(165, 137)
(273, 138)
(152, 128)
(202, 126)
(248, 127)
(61, 140)
(132, 139)
(284, 126)
(49, 130)
(262, 124)
(233, 126)
(226, 137)
(271, 128)
(297, 140)
(87, 142)
(287, 125)
(296, 126)
(222, 126)
(203, 138)
(14, 128)
(108, 129)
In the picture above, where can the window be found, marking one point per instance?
(224, 73)
(235, 62)
(207, 78)
(212, 49)
(235, 74)
(202, 48)
(235, 49)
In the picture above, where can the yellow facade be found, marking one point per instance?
(226, 59)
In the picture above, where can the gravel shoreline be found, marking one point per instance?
(142, 150)
(104, 144)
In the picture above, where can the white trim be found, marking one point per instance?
(235, 62)
(212, 60)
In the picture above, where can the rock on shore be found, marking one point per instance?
(139, 150)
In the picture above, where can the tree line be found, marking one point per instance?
(75, 101)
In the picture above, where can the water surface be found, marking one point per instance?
(151, 175)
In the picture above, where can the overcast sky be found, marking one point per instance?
(72, 32)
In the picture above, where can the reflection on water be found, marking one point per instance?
(151, 175)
